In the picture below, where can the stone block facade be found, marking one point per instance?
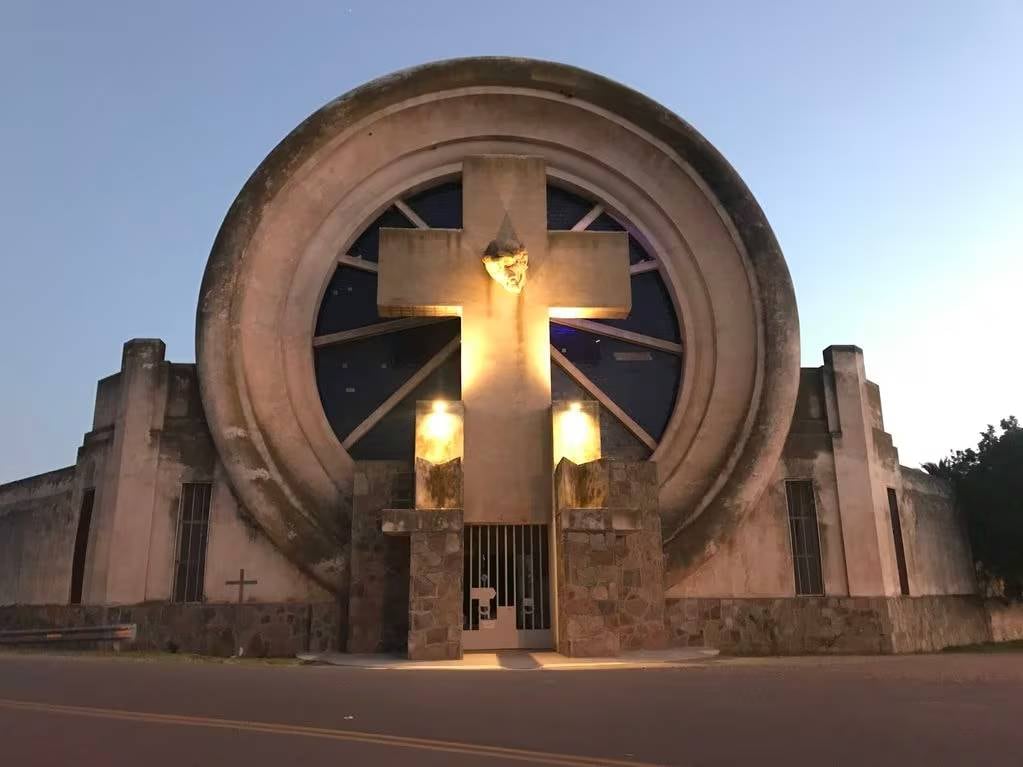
(610, 560)
(435, 579)
(378, 615)
(258, 630)
(827, 625)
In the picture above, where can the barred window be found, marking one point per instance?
(806, 544)
(193, 531)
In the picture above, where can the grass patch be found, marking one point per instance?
(1016, 645)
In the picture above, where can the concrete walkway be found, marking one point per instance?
(516, 660)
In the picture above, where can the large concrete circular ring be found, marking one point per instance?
(310, 198)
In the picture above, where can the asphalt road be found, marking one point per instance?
(917, 710)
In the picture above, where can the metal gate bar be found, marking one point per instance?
(513, 561)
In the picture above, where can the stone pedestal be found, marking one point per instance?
(435, 579)
(610, 561)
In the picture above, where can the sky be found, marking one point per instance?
(883, 140)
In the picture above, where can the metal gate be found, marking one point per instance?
(506, 600)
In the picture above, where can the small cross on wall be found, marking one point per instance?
(241, 583)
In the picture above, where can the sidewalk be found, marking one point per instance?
(517, 660)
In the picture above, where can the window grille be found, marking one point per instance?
(806, 545)
(193, 532)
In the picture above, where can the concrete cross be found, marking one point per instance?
(505, 354)
(241, 583)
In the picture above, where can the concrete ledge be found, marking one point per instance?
(408, 521)
(604, 520)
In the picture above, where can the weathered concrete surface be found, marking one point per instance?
(866, 528)
(312, 195)
(37, 538)
(837, 441)
(755, 560)
(937, 544)
(259, 630)
(149, 437)
(439, 486)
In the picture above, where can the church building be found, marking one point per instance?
(490, 354)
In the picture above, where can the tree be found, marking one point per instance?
(988, 482)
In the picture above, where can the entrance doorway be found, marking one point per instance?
(506, 601)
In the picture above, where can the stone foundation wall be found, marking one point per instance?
(435, 603)
(435, 574)
(261, 630)
(930, 624)
(827, 625)
(378, 606)
(610, 558)
(1006, 620)
(610, 595)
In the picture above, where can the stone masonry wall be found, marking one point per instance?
(260, 630)
(435, 599)
(932, 623)
(378, 606)
(610, 559)
(785, 626)
(827, 625)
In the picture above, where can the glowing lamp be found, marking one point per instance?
(439, 431)
(576, 431)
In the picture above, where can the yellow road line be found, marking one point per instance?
(398, 741)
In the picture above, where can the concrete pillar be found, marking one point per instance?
(131, 476)
(862, 498)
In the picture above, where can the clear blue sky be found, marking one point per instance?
(883, 139)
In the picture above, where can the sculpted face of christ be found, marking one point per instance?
(506, 263)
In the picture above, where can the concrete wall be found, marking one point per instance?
(149, 437)
(937, 547)
(756, 561)
(837, 441)
(37, 538)
(236, 542)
